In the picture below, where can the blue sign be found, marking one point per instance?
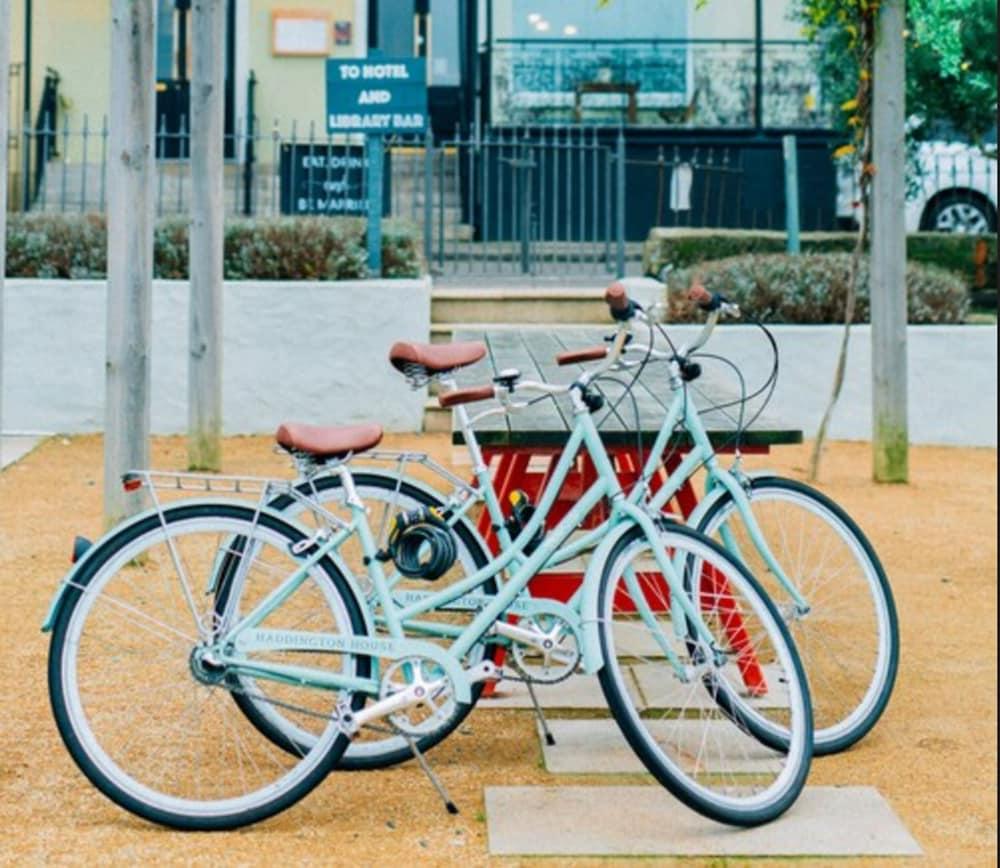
(376, 96)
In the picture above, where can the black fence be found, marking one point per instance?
(523, 199)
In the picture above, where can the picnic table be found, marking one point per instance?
(522, 448)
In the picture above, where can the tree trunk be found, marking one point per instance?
(890, 439)
(205, 237)
(4, 110)
(131, 171)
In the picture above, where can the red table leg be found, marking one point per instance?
(513, 473)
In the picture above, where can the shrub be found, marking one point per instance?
(812, 288)
(401, 249)
(293, 248)
(284, 248)
(170, 248)
(43, 245)
(685, 247)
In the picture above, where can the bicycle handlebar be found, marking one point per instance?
(621, 306)
(584, 354)
(467, 395)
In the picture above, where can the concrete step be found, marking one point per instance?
(638, 821)
(441, 333)
(437, 419)
(518, 306)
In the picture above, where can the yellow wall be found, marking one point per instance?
(73, 37)
(734, 19)
(294, 88)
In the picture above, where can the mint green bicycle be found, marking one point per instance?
(806, 551)
(148, 652)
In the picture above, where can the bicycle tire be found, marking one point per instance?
(646, 716)
(75, 727)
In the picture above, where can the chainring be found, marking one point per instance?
(436, 706)
(559, 656)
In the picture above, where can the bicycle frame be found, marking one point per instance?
(702, 453)
(247, 636)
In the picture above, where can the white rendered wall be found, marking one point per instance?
(952, 374)
(313, 352)
(317, 352)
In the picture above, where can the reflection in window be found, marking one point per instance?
(564, 62)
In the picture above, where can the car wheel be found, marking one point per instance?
(962, 213)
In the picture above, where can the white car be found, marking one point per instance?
(953, 189)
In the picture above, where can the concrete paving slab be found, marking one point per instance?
(598, 747)
(648, 821)
(15, 448)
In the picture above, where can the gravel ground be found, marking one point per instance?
(934, 755)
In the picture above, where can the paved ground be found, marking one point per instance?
(647, 821)
(933, 756)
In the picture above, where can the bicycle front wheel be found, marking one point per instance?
(142, 696)
(849, 638)
(688, 697)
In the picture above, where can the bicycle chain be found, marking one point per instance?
(527, 679)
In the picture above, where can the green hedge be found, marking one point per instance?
(812, 288)
(685, 247)
(285, 248)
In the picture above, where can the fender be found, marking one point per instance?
(590, 602)
(100, 546)
(57, 600)
(717, 489)
(426, 489)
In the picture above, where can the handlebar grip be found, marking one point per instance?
(699, 295)
(467, 395)
(584, 354)
(707, 301)
(620, 305)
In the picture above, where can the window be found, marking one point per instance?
(563, 62)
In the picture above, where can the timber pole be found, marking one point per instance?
(131, 171)
(206, 237)
(4, 111)
(890, 437)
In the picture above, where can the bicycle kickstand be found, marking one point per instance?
(438, 784)
(539, 715)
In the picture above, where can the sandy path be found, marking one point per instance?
(933, 755)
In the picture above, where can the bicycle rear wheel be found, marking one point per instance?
(685, 704)
(386, 496)
(138, 691)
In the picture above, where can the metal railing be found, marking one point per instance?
(533, 199)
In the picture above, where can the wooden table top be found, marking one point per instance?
(547, 423)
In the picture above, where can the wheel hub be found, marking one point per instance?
(205, 666)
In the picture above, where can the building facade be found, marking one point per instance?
(682, 80)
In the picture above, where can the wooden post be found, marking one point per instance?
(131, 171)
(890, 440)
(4, 109)
(205, 237)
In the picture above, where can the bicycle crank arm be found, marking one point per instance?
(351, 722)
